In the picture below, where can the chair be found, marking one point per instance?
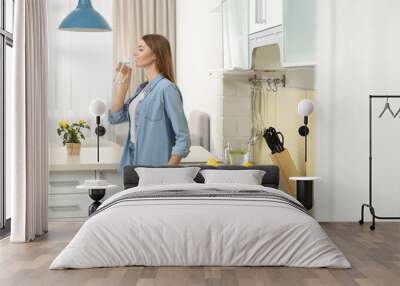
(199, 128)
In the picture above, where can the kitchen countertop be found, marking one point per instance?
(197, 155)
(109, 158)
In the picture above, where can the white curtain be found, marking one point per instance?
(135, 18)
(131, 20)
(27, 123)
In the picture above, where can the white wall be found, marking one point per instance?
(80, 66)
(358, 55)
(199, 50)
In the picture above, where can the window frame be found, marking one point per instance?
(6, 39)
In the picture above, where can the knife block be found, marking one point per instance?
(287, 168)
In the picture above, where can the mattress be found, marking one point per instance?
(201, 225)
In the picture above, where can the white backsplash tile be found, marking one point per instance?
(236, 106)
(229, 88)
(243, 125)
(243, 88)
(233, 115)
(229, 126)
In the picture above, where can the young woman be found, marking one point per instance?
(158, 130)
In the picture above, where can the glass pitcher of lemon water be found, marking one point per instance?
(236, 154)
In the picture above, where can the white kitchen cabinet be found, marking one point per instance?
(264, 14)
(66, 202)
(235, 34)
(299, 33)
(68, 206)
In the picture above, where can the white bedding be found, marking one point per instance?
(200, 231)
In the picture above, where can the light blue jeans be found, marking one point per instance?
(131, 152)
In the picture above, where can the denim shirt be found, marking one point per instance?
(160, 124)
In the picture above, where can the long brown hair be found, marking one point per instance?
(162, 50)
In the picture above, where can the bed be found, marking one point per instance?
(201, 224)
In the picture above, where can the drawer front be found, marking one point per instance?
(66, 201)
(68, 206)
(64, 187)
(71, 205)
(66, 182)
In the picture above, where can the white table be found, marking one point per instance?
(110, 157)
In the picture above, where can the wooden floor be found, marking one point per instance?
(375, 257)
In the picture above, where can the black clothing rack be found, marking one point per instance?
(369, 205)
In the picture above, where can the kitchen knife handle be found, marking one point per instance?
(282, 138)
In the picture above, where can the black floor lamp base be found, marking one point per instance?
(96, 195)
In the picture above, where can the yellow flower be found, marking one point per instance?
(82, 122)
(63, 124)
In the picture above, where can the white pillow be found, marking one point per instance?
(249, 177)
(163, 176)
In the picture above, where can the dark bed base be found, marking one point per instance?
(270, 179)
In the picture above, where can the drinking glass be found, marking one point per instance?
(120, 77)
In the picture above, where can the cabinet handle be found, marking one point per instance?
(260, 12)
(66, 206)
(68, 183)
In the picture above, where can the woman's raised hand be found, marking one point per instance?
(122, 82)
(124, 74)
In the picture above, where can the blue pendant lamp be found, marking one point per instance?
(84, 19)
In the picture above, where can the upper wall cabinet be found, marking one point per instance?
(235, 34)
(247, 25)
(264, 14)
(299, 32)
